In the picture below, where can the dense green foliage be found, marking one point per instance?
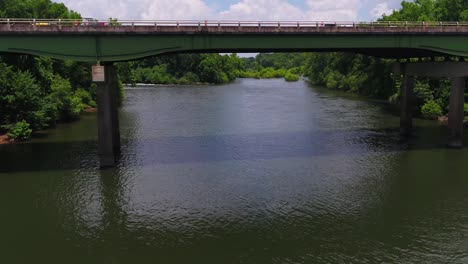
(350, 72)
(430, 10)
(291, 77)
(35, 9)
(431, 110)
(182, 69)
(372, 76)
(40, 91)
(210, 68)
(275, 61)
(20, 131)
(274, 65)
(64, 104)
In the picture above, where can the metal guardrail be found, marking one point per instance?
(223, 23)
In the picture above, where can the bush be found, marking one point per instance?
(334, 80)
(466, 109)
(75, 108)
(85, 97)
(20, 97)
(269, 73)
(189, 78)
(297, 70)
(431, 110)
(423, 91)
(21, 131)
(291, 77)
(68, 106)
(50, 113)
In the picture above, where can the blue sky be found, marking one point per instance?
(312, 10)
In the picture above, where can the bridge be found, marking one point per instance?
(108, 41)
(102, 40)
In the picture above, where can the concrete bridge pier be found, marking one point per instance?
(108, 119)
(406, 102)
(457, 71)
(456, 113)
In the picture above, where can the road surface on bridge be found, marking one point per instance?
(103, 40)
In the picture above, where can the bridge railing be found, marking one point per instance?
(225, 23)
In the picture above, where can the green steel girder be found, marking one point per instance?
(121, 47)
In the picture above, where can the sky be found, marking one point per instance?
(292, 10)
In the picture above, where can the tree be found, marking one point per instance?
(20, 96)
(68, 107)
(36, 9)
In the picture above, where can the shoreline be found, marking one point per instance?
(129, 85)
(4, 139)
(4, 136)
(90, 110)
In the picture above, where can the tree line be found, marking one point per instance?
(208, 68)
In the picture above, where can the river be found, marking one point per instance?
(257, 171)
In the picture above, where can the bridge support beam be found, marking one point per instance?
(406, 102)
(457, 71)
(456, 113)
(108, 120)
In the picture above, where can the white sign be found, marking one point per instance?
(98, 74)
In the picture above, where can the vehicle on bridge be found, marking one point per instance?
(328, 24)
(92, 22)
(44, 24)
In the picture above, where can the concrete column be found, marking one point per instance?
(108, 124)
(456, 115)
(115, 114)
(406, 102)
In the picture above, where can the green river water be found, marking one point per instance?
(257, 171)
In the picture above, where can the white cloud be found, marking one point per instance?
(177, 9)
(263, 10)
(333, 10)
(127, 9)
(312, 10)
(380, 9)
(142, 9)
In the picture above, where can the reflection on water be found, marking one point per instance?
(258, 171)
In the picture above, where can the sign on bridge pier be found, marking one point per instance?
(98, 73)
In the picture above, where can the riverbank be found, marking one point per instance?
(130, 85)
(289, 79)
(4, 139)
(90, 110)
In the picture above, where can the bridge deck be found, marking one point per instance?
(242, 29)
(103, 40)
